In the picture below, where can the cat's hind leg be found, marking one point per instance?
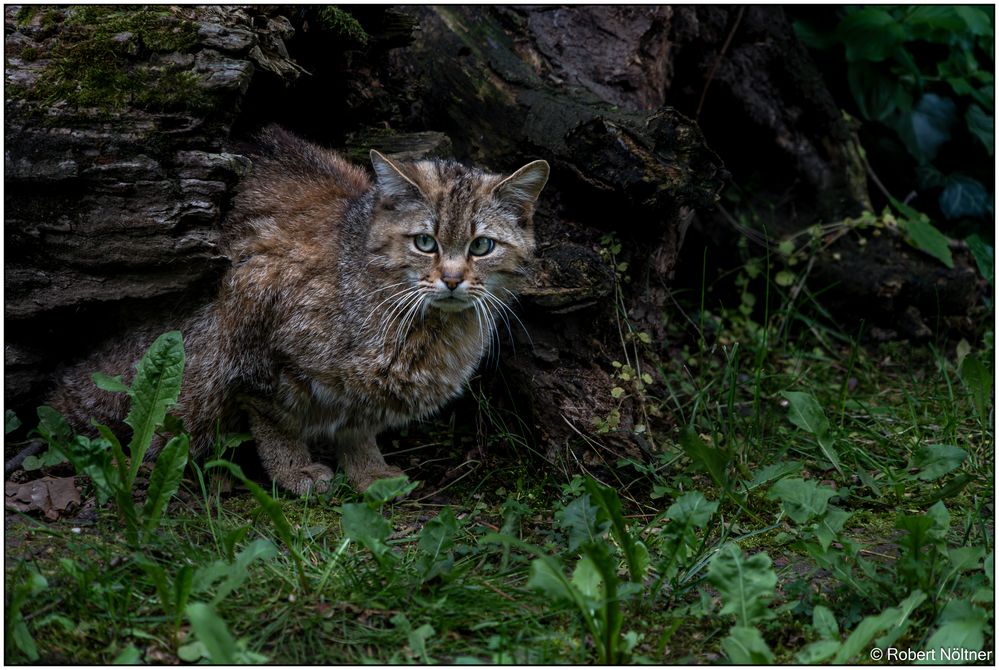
(361, 459)
(286, 458)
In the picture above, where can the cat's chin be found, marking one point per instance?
(451, 304)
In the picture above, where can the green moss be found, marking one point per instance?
(101, 60)
(29, 53)
(342, 24)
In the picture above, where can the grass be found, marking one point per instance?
(892, 549)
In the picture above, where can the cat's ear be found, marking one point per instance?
(392, 182)
(523, 187)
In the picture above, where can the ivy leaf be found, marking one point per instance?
(869, 34)
(873, 90)
(984, 254)
(977, 20)
(928, 126)
(981, 125)
(964, 197)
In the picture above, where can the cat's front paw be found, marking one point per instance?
(312, 478)
(364, 478)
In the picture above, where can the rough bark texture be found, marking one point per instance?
(114, 205)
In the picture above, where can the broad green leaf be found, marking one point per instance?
(870, 34)
(692, 508)
(818, 652)
(978, 380)
(900, 625)
(873, 90)
(635, 553)
(928, 126)
(984, 254)
(925, 237)
(962, 627)
(806, 413)
(746, 585)
(582, 521)
(418, 642)
(156, 387)
(15, 627)
(182, 589)
(46, 459)
(165, 480)
(157, 575)
(784, 278)
(830, 525)
(936, 460)
(212, 632)
(745, 646)
(965, 197)
(368, 527)
(435, 544)
(824, 623)
(802, 500)
(715, 461)
(53, 427)
(774, 471)
(108, 383)
(546, 576)
(130, 655)
(859, 641)
(384, 490)
(11, 422)
(981, 125)
(965, 558)
(940, 517)
(587, 579)
(116, 451)
(237, 573)
(934, 22)
(977, 19)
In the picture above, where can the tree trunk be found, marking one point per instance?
(123, 147)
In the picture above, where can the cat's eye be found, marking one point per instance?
(481, 246)
(425, 243)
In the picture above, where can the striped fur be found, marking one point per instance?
(331, 325)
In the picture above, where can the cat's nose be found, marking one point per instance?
(451, 281)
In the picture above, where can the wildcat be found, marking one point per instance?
(350, 307)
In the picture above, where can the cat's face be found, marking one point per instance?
(452, 238)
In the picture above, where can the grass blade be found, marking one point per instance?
(273, 510)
